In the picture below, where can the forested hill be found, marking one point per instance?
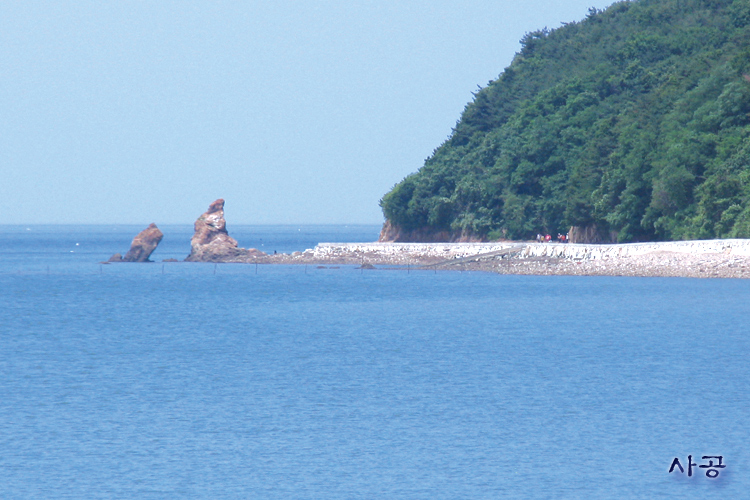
(633, 124)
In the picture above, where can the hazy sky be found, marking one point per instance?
(294, 112)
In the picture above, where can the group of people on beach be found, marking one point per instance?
(546, 238)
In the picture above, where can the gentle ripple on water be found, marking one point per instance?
(202, 381)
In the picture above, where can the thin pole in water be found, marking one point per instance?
(256, 268)
(162, 268)
(305, 268)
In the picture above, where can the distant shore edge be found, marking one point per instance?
(729, 258)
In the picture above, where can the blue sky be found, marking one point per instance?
(293, 112)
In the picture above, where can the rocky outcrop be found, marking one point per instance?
(211, 241)
(142, 247)
(591, 234)
(393, 233)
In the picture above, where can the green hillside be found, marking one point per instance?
(634, 123)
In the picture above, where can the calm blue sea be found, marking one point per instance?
(185, 380)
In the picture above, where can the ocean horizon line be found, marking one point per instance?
(167, 224)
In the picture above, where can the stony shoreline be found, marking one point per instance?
(656, 264)
(694, 259)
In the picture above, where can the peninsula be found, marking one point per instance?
(706, 259)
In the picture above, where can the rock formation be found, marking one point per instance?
(391, 233)
(211, 241)
(142, 247)
(591, 234)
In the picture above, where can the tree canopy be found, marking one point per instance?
(635, 120)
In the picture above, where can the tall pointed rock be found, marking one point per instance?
(211, 241)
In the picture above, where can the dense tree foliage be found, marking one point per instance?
(636, 120)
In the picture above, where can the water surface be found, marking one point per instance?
(184, 380)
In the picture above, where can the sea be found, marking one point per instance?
(171, 380)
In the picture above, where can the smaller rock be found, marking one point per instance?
(366, 266)
(144, 245)
(115, 258)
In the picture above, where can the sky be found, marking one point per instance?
(303, 112)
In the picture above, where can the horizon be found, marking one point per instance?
(229, 224)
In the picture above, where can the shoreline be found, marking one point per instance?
(729, 258)
(689, 259)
